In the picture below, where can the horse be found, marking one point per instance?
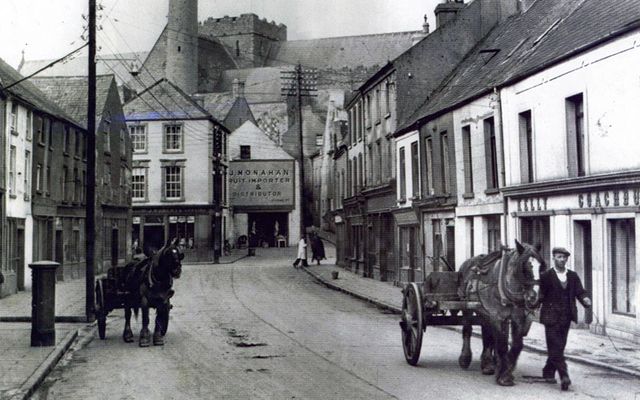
(506, 284)
(148, 284)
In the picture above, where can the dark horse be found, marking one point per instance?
(506, 285)
(148, 285)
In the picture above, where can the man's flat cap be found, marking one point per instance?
(560, 250)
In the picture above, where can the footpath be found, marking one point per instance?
(583, 346)
(22, 367)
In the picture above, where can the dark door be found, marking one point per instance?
(20, 257)
(153, 238)
(451, 247)
(59, 256)
(583, 233)
(114, 247)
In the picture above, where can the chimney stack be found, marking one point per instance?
(447, 11)
(418, 36)
(238, 88)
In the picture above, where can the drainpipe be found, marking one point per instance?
(503, 174)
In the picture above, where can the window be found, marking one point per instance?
(44, 128)
(444, 158)
(50, 134)
(27, 175)
(78, 144)
(182, 228)
(575, 135)
(14, 117)
(491, 153)
(415, 169)
(122, 172)
(76, 186)
(370, 161)
(360, 172)
(526, 147)
(173, 182)
(48, 181)
(139, 184)
(83, 142)
(12, 170)
(84, 187)
(107, 142)
(39, 184)
(65, 180)
(123, 151)
(245, 152)
(387, 98)
(173, 138)
(493, 233)
(403, 175)
(429, 167)
(66, 145)
(466, 156)
(29, 129)
(378, 112)
(622, 242)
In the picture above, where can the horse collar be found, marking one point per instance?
(504, 298)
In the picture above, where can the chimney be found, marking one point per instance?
(447, 11)
(238, 88)
(418, 36)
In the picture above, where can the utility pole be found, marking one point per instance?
(300, 83)
(217, 194)
(90, 222)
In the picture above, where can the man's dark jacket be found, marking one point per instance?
(552, 299)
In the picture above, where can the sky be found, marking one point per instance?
(49, 29)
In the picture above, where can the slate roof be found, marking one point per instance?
(70, 93)
(120, 65)
(163, 100)
(238, 114)
(547, 33)
(345, 51)
(30, 94)
(262, 147)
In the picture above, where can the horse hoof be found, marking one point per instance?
(158, 340)
(506, 382)
(127, 337)
(488, 371)
(464, 361)
(145, 343)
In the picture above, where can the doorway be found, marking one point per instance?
(269, 227)
(153, 238)
(583, 260)
(20, 257)
(114, 247)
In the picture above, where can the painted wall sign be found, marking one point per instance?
(261, 183)
(610, 198)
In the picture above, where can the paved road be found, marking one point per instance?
(259, 329)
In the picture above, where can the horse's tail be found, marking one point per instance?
(136, 309)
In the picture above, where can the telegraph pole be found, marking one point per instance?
(90, 222)
(300, 83)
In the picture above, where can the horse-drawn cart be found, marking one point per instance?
(112, 294)
(434, 302)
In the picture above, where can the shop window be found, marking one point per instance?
(536, 231)
(182, 228)
(622, 242)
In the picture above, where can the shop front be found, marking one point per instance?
(597, 221)
(409, 246)
(438, 227)
(263, 199)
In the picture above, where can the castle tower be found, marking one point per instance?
(182, 45)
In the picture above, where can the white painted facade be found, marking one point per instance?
(479, 210)
(405, 197)
(19, 136)
(607, 196)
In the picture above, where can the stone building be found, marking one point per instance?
(179, 172)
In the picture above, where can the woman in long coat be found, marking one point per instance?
(317, 249)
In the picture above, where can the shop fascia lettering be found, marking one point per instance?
(610, 198)
(260, 172)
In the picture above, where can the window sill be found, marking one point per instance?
(50, 148)
(623, 314)
(13, 196)
(402, 200)
(14, 132)
(66, 154)
(39, 192)
(492, 191)
(134, 152)
(173, 200)
(165, 151)
(41, 144)
(76, 157)
(28, 138)
(378, 122)
(387, 115)
(107, 153)
(468, 195)
(27, 197)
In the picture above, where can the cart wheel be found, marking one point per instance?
(101, 312)
(411, 323)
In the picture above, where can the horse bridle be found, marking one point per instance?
(506, 294)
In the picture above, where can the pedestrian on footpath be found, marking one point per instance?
(302, 253)
(317, 249)
(559, 289)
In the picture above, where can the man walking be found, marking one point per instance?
(559, 289)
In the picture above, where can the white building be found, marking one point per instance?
(573, 172)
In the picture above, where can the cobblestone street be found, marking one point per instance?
(261, 329)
